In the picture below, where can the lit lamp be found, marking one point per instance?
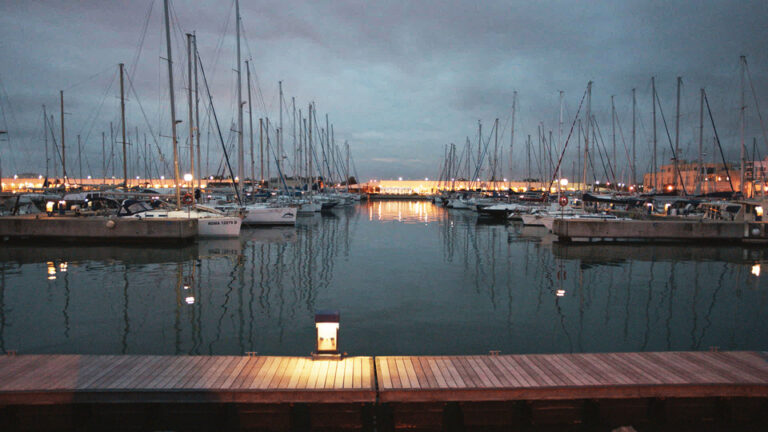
(187, 177)
(327, 325)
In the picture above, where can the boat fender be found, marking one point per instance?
(187, 199)
(111, 224)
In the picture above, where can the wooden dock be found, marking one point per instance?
(488, 392)
(572, 376)
(61, 379)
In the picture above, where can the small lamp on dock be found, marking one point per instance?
(327, 326)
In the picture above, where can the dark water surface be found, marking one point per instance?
(408, 278)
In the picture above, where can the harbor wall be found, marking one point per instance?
(96, 229)
(574, 229)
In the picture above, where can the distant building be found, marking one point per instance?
(715, 177)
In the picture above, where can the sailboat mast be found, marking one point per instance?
(250, 118)
(63, 148)
(742, 112)
(653, 99)
(191, 125)
(512, 136)
(586, 133)
(45, 137)
(701, 141)
(240, 149)
(280, 135)
(613, 131)
(677, 135)
(634, 167)
(122, 122)
(261, 150)
(173, 106)
(197, 112)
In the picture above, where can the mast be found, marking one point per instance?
(559, 139)
(240, 150)
(495, 149)
(512, 135)
(309, 148)
(677, 135)
(173, 106)
(280, 135)
(653, 162)
(586, 134)
(79, 160)
(63, 148)
(103, 158)
(191, 126)
(613, 131)
(742, 114)
(197, 113)
(295, 154)
(122, 120)
(701, 141)
(634, 167)
(45, 137)
(528, 154)
(250, 119)
(261, 150)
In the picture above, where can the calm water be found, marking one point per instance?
(408, 278)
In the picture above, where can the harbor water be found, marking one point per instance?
(408, 277)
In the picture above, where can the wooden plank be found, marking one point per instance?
(303, 368)
(330, 376)
(232, 371)
(437, 373)
(248, 373)
(289, 371)
(187, 364)
(280, 371)
(486, 376)
(168, 368)
(429, 376)
(551, 372)
(576, 374)
(120, 373)
(313, 373)
(468, 374)
(540, 377)
(34, 367)
(723, 368)
(383, 374)
(338, 382)
(514, 371)
(197, 372)
(421, 376)
(357, 382)
(108, 368)
(261, 373)
(306, 373)
(367, 373)
(604, 372)
(394, 374)
(12, 366)
(641, 375)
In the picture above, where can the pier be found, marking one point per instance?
(68, 392)
(644, 230)
(97, 229)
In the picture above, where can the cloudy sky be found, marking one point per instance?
(398, 79)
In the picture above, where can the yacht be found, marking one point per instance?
(210, 222)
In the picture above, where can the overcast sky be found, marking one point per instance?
(399, 79)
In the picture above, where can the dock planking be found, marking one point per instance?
(62, 379)
(572, 376)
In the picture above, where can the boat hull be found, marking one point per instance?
(219, 227)
(270, 216)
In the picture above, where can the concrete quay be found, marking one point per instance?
(96, 229)
(647, 230)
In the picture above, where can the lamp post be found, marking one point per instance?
(327, 326)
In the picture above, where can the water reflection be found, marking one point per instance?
(408, 277)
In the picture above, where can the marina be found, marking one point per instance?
(383, 216)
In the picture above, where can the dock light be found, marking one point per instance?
(190, 300)
(400, 179)
(327, 325)
(162, 177)
(563, 182)
(670, 188)
(49, 207)
(187, 177)
(756, 269)
(759, 211)
(40, 177)
(137, 177)
(63, 267)
(15, 177)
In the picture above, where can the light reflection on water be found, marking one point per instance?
(408, 278)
